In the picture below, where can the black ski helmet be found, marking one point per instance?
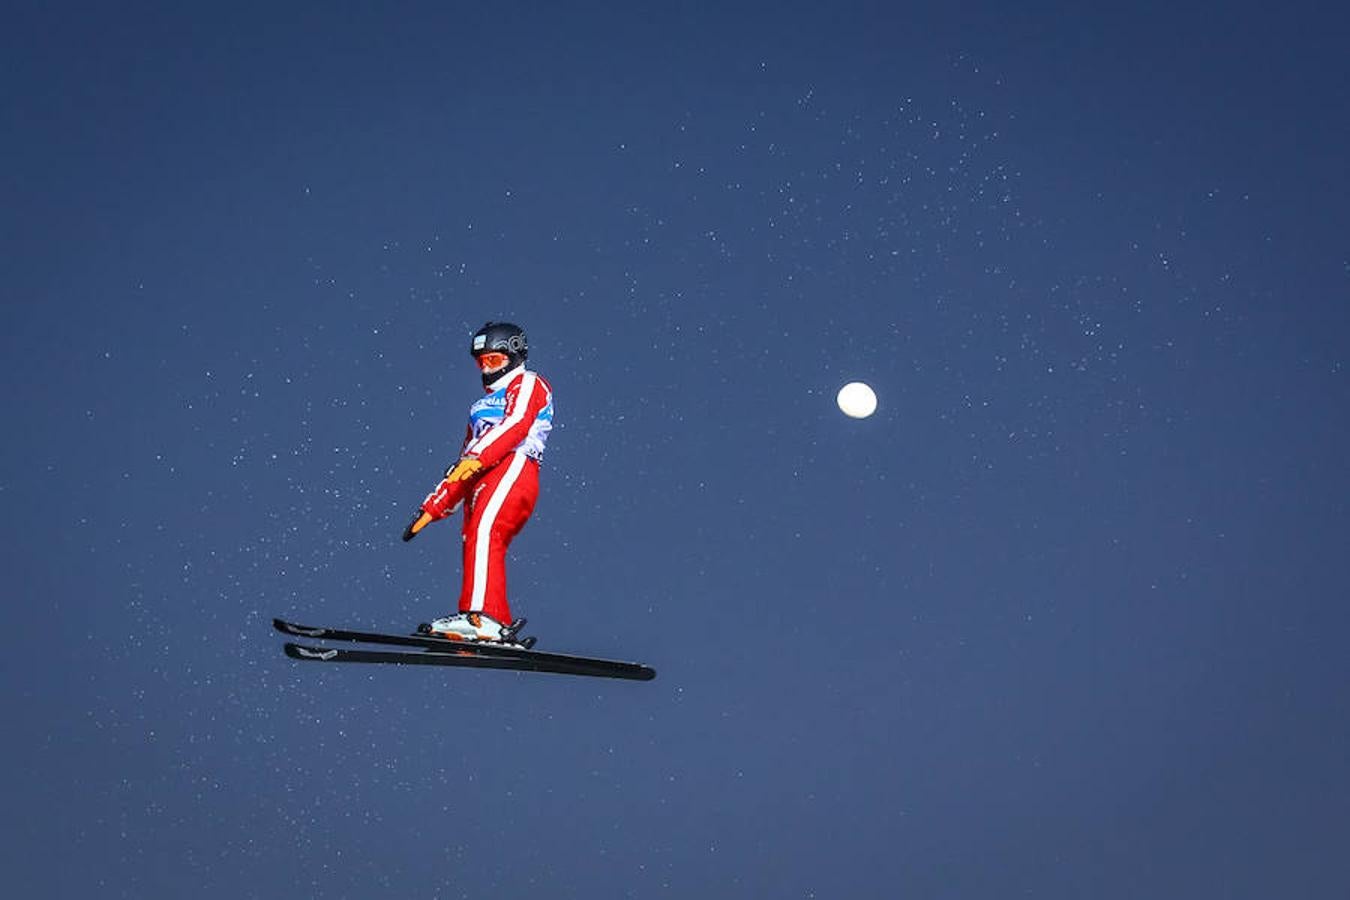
(500, 337)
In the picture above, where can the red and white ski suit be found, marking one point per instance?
(507, 431)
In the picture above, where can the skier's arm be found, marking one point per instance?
(525, 399)
(444, 500)
(439, 504)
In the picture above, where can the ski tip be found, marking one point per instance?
(297, 651)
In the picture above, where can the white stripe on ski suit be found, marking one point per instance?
(484, 536)
(527, 383)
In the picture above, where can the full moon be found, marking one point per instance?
(857, 400)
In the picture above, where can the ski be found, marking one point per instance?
(445, 652)
(377, 637)
(553, 663)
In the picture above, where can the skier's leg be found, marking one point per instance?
(499, 508)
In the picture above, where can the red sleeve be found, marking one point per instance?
(525, 399)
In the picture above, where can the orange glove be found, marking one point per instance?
(463, 470)
(417, 525)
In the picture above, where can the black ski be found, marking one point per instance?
(445, 652)
(554, 663)
(376, 637)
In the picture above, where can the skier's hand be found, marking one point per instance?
(463, 470)
(416, 525)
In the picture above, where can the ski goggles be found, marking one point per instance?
(491, 361)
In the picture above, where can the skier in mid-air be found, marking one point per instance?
(496, 480)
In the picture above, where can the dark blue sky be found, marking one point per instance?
(1064, 619)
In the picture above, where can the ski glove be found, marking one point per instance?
(463, 470)
(417, 525)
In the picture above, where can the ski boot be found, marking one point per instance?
(476, 626)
